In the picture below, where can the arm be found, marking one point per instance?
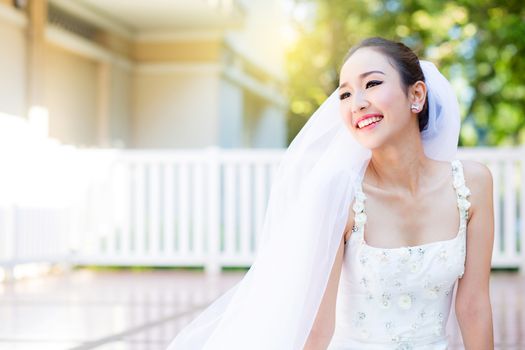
(324, 324)
(473, 308)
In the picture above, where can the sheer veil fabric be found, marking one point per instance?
(275, 304)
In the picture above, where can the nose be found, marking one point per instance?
(360, 102)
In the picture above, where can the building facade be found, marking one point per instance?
(146, 74)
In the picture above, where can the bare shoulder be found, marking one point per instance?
(478, 179)
(476, 174)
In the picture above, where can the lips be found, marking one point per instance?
(356, 124)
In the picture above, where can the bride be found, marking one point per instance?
(371, 225)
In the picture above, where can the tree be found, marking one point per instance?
(478, 45)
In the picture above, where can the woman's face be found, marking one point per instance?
(371, 92)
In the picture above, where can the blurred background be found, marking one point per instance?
(139, 138)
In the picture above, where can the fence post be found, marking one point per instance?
(66, 248)
(212, 261)
(10, 243)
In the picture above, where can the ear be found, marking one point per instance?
(417, 94)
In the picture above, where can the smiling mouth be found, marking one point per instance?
(369, 121)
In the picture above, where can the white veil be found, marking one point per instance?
(275, 304)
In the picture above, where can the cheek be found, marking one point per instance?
(393, 104)
(388, 100)
(344, 111)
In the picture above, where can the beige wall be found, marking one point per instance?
(120, 109)
(71, 97)
(175, 109)
(270, 128)
(173, 93)
(12, 69)
(85, 108)
(231, 114)
(264, 123)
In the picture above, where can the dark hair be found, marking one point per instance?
(404, 60)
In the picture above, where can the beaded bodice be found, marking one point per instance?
(399, 298)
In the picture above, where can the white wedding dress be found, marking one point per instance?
(399, 298)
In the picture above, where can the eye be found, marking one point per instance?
(344, 95)
(373, 83)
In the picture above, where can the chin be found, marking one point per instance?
(371, 143)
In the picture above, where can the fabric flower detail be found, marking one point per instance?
(358, 207)
(385, 301)
(359, 317)
(458, 182)
(463, 191)
(404, 301)
(360, 196)
(397, 283)
(463, 204)
(405, 255)
(360, 219)
(432, 293)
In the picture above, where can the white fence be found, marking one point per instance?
(189, 208)
(197, 208)
(507, 166)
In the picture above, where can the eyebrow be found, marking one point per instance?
(362, 75)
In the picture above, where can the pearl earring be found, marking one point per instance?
(414, 107)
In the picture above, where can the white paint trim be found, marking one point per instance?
(13, 16)
(255, 87)
(84, 47)
(167, 68)
(179, 36)
(79, 10)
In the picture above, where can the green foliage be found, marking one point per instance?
(479, 45)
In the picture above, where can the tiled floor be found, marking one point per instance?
(144, 310)
(104, 310)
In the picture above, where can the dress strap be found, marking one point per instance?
(462, 192)
(359, 209)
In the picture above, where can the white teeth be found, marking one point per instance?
(368, 121)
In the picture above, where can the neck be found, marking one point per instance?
(399, 167)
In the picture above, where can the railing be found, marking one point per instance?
(190, 208)
(199, 208)
(507, 166)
